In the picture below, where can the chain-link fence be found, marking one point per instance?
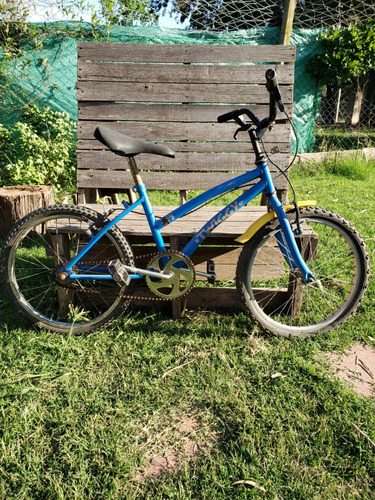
(44, 71)
(346, 120)
(229, 15)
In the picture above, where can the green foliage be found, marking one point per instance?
(347, 55)
(127, 12)
(39, 150)
(10, 36)
(13, 10)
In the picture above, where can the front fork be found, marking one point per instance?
(286, 240)
(287, 243)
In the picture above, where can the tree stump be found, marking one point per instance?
(18, 201)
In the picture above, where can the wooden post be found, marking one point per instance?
(18, 201)
(286, 32)
(287, 24)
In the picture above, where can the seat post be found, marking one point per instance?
(134, 170)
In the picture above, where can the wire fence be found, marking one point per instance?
(223, 15)
(345, 123)
(45, 71)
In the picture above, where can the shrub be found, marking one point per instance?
(39, 150)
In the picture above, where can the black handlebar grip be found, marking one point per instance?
(272, 87)
(271, 79)
(227, 116)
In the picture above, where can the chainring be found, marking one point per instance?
(182, 279)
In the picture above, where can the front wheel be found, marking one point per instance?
(277, 298)
(39, 245)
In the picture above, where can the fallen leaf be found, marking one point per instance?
(247, 482)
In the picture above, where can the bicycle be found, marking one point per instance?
(315, 266)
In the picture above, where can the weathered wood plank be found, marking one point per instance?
(95, 51)
(189, 162)
(96, 110)
(154, 180)
(157, 180)
(176, 92)
(217, 132)
(176, 73)
(218, 297)
(227, 297)
(196, 147)
(161, 210)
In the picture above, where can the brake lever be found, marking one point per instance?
(244, 127)
(241, 129)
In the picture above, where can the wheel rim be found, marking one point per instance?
(283, 300)
(38, 250)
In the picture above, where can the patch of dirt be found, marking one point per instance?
(357, 367)
(161, 465)
(174, 444)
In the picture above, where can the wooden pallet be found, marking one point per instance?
(172, 94)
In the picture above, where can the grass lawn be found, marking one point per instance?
(209, 400)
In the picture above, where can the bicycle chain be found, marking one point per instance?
(139, 297)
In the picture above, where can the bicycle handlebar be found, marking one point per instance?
(236, 113)
(275, 102)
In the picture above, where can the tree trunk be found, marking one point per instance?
(355, 103)
(18, 201)
(329, 107)
(368, 107)
(357, 106)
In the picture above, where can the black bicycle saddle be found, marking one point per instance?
(124, 145)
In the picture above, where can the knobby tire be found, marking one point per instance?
(274, 295)
(36, 247)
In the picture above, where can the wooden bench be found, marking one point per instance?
(173, 94)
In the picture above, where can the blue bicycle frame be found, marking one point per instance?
(265, 184)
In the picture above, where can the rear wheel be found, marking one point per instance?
(276, 297)
(41, 243)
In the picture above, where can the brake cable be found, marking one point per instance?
(298, 230)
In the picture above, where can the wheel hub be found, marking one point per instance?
(62, 276)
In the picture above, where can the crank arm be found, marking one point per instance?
(146, 272)
(206, 275)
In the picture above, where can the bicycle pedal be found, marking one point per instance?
(211, 272)
(118, 272)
